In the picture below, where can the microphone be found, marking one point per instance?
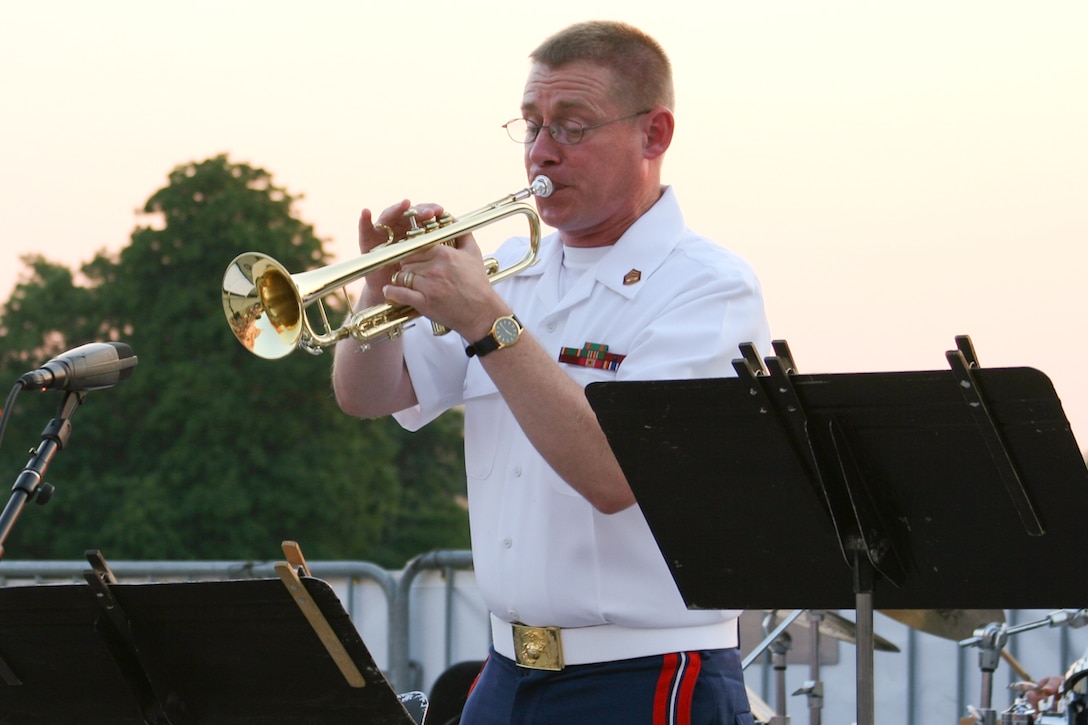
(93, 366)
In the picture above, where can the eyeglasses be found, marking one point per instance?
(568, 133)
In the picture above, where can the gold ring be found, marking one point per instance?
(406, 279)
(388, 231)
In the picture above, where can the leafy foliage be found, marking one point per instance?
(208, 452)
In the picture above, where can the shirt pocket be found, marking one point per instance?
(585, 374)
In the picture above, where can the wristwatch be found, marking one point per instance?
(504, 333)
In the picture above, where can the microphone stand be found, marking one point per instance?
(30, 482)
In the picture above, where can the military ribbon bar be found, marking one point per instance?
(591, 355)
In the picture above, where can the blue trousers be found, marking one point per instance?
(683, 688)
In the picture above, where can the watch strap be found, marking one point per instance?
(482, 347)
(489, 343)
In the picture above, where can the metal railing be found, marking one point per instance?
(434, 617)
(396, 589)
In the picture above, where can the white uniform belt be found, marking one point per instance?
(553, 647)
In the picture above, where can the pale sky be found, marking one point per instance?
(897, 173)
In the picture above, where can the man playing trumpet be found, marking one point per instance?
(588, 625)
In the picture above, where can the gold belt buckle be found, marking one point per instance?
(538, 648)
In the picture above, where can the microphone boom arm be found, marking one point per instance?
(30, 483)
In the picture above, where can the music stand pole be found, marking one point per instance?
(829, 458)
(866, 690)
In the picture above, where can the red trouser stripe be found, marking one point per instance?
(687, 688)
(675, 688)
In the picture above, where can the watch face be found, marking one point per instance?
(506, 331)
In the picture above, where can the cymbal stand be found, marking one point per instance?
(780, 648)
(779, 642)
(991, 640)
(813, 688)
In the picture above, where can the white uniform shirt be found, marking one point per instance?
(542, 554)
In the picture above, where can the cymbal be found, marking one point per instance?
(955, 624)
(840, 628)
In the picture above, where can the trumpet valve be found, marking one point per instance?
(443, 220)
(415, 229)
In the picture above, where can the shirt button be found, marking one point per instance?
(517, 471)
(507, 542)
(513, 614)
(550, 327)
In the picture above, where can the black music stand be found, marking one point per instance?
(217, 652)
(916, 490)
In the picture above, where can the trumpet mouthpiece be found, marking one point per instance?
(542, 186)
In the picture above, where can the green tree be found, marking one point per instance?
(208, 452)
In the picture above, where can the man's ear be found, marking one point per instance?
(659, 124)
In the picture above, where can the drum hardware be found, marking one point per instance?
(779, 649)
(1021, 712)
(837, 627)
(813, 687)
(1074, 692)
(1069, 706)
(990, 640)
(778, 642)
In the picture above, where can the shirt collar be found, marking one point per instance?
(643, 247)
(638, 252)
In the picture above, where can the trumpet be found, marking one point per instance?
(265, 305)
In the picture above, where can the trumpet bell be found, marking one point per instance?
(262, 306)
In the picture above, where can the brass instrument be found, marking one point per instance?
(266, 306)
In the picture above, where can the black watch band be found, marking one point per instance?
(505, 331)
(482, 347)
